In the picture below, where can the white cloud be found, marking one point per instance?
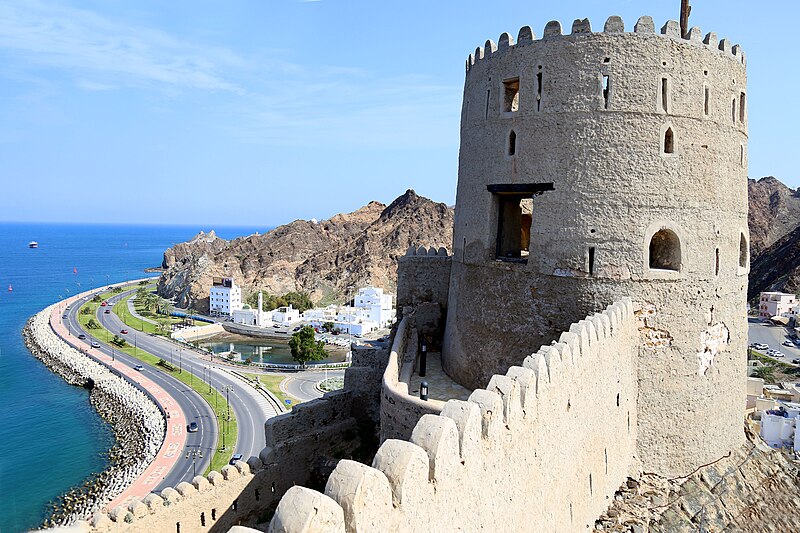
(110, 52)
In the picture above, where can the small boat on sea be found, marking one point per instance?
(33, 244)
(10, 288)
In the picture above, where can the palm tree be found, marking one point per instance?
(767, 373)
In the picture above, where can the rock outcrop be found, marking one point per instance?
(321, 258)
(774, 212)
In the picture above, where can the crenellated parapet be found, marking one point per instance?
(613, 25)
(546, 443)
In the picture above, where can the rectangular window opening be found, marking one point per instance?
(511, 95)
(591, 260)
(514, 227)
(488, 96)
(741, 107)
(664, 95)
(705, 100)
(539, 91)
(606, 89)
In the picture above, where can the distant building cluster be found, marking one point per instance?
(372, 309)
(771, 304)
(778, 407)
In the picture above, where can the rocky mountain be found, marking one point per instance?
(321, 258)
(774, 212)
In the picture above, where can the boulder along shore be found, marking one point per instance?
(137, 423)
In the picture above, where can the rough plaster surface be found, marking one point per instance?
(614, 188)
(546, 444)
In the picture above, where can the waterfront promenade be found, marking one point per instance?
(175, 437)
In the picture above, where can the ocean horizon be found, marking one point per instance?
(51, 438)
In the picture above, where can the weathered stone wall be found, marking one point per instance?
(423, 276)
(401, 411)
(591, 120)
(544, 446)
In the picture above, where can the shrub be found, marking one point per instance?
(93, 324)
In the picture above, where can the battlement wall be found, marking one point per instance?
(423, 275)
(401, 411)
(548, 443)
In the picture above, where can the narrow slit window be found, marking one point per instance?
(606, 90)
(591, 260)
(741, 155)
(488, 96)
(669, 141)
(512, 143)
(665, 251)
(716, 265)
(514, 227)
(743, 251)
(741, 107)
(511, 95)
(706, 96)
(664, 95)
(539, 91)
(733, 110)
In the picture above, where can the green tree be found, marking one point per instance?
(299, 300)
(327, 326)
(767, 373)
(86, 311)
(305, 347)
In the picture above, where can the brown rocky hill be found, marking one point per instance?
(323, 259)
(774, 212)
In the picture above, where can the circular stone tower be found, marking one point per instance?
(595, 166)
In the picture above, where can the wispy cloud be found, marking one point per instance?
(110, 52)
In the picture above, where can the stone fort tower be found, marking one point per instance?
(597, 166)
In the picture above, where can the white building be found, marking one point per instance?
(375, 306)
(253, 317)
(779, 426)
(225, 297)
(772, 304)
(285, 315)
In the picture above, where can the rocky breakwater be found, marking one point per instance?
(137, 423)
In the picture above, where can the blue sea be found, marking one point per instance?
(50, 437)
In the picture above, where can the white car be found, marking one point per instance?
(777, 354)
(788, 343)
(760, 346)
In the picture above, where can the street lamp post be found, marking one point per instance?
(194, 454)
(180, 360)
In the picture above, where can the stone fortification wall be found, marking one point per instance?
(423, 276)
(137, 422)
(630, 149)
(548, 443)
(401, 411)
(303, 447)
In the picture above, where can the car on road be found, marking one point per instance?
(67, 308)
(95, 344)
(193, 427)
(82, 336)
(776, 353)
(759, 346)
(236, 457)
(64, 317)
(107, 311)
(138, 368)
(124, 331)
(103, 304)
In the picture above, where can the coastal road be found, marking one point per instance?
(773, 336)
(192, 404)
(303, 385)
(250, 407)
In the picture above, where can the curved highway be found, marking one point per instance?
(250, 408)
(192, 404)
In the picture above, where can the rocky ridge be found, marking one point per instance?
(321, 258)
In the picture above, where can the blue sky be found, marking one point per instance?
(262, 112)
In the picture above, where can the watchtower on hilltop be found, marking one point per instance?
(597, 166)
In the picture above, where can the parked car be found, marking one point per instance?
(760, 346)
(193, 427)
(796, 361)
(236, 457)
(82, 336)
(95, 344)
(788, 343)
(778, 354)
(124, 331)
(138, 368)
